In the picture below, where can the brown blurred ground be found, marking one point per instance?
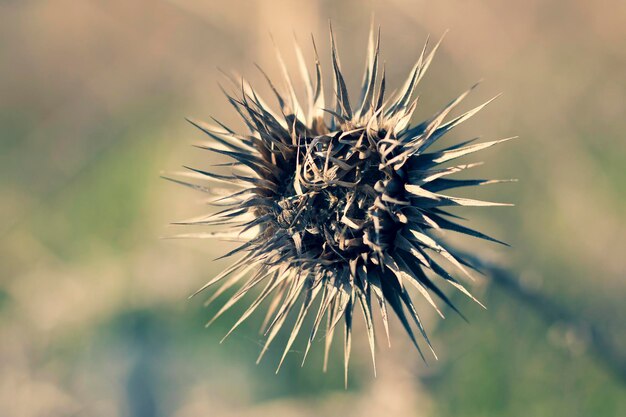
(93, 312)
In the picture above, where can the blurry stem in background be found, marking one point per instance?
(595, 336)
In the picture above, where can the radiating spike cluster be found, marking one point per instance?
(335, 208)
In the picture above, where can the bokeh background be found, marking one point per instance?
(94, 316)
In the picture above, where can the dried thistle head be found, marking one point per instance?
(338, 207)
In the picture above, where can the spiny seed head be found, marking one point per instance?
(338, 207)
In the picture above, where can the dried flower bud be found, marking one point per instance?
(339, 204)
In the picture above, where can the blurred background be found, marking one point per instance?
(94, 316)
